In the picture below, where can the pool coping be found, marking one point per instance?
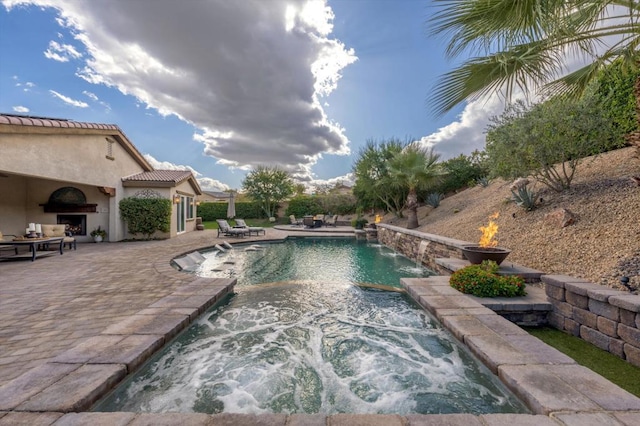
(552, 385)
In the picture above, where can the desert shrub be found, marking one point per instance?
(483, 281)
(482, 181)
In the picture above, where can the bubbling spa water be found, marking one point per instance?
(290, 343)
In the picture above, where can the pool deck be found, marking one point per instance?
(72, 326)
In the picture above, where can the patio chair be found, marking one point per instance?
(257, 229)
(308, 222)
(294, 221)
(6, 247)
(225, 229)
(330, 220)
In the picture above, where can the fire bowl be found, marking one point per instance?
(476, 255)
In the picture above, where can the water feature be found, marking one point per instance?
(422, 248)
(300, 337)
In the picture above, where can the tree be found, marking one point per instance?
(268, 186)
(517, 44)
(372, 181)
(461, 171)
(548, 140)
(411, 169)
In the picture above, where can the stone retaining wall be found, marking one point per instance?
(607, 318)
(604, 317)
(407, 242)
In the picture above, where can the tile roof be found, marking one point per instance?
(174, 176)
(26, 120)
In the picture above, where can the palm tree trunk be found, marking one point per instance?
(412, 207)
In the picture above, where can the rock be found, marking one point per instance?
(519, 183)
(560, 218)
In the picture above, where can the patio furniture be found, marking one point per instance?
(330, 220)
(59, 230)
(34, 244)
(240, 224)
(225, 229)
(7, 247)
(307, 221)
(294, 221)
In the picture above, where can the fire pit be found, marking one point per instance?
(476, 254)
(487, 248)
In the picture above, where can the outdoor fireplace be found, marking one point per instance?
(76, 223)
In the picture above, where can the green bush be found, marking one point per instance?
(483, 281)
(244, 210)
(146, 215)
(304, 205)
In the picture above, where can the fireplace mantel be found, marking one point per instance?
(69, 208)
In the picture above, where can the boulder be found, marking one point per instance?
(560, 218)
(519, 183)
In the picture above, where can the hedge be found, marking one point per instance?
(244, 210)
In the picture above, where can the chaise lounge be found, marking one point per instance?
(225, 229)
(240, 224)
(60, 231)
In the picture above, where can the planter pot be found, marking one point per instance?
(97, 239)
(476, 255)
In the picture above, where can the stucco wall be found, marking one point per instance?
(13, 200)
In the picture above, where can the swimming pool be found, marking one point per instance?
(305, 339)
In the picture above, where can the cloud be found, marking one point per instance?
(250, 75)
(348, 180)
(90, 95)
(61, 52)
(68, 100)
(20, 109)
(206, 183)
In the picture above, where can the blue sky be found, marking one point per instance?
(220, 87)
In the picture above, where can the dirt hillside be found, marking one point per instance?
(602, 245)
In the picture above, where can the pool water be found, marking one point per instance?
(307, 340)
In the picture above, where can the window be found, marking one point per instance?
(190, 204)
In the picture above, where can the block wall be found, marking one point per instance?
(604, 317)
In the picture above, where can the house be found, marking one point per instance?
(214, 197)
(76, 173)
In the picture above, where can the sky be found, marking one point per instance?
(220, 87)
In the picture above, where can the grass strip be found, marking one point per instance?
(614, 369)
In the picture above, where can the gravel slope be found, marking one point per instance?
(602, 245)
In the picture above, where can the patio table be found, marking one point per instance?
(34, 244)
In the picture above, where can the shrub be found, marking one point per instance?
(483, 281)
(246, 210)
(482, 181)
(434, 199)
(304, 205)
(146, 215)
(524, 198)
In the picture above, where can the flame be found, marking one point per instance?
(378, 218)
(489, 231)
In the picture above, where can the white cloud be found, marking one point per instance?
(69, 100)
(348, 180)
(20, 109)
(254, 70)
(206, 183)
(61, 52)
(90, 95)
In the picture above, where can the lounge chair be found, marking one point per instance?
(294, 221)
(257, 229)
(225, 229)
(308, 222)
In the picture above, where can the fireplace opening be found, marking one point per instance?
(76, 223)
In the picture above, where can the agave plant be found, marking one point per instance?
(434, 199)
(525, 198)
(483, 181)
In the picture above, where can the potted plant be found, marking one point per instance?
(98, 234)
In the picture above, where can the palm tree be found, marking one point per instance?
(525, 44)
(412, 169)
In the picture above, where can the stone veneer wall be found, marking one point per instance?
(604, 317)
(407, 242)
